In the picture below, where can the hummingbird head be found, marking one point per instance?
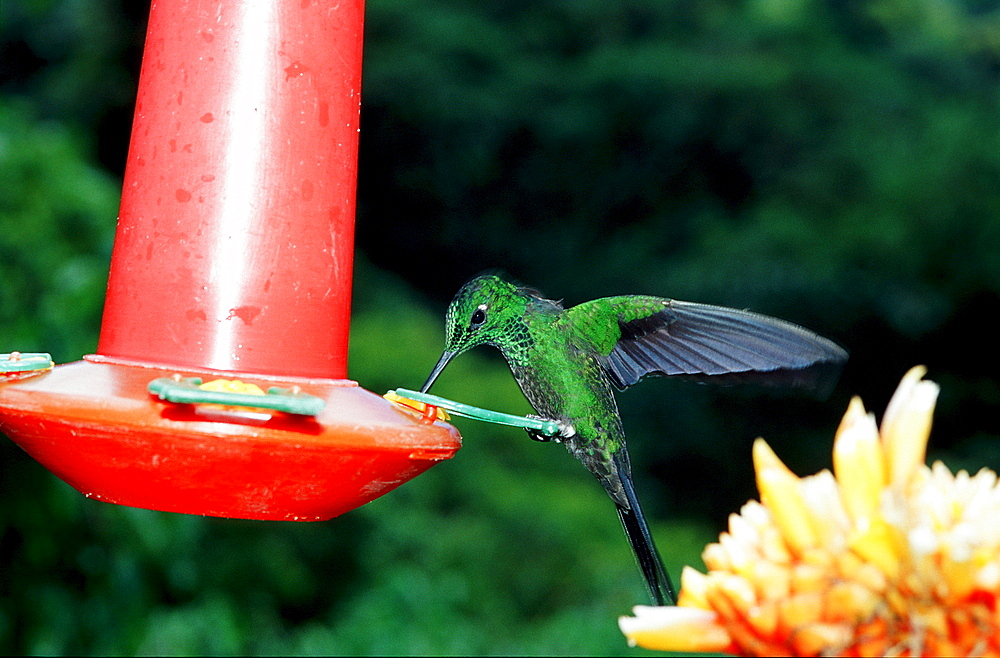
(485, 311)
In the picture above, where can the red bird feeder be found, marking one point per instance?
(219, 384)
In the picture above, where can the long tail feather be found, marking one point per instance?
(657, 581)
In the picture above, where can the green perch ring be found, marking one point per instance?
(191, 390)
(540, 425)
(24, 362)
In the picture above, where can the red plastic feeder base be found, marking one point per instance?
(94, 424)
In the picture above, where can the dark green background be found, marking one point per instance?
(832, 162)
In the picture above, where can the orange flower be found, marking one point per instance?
(884, 556)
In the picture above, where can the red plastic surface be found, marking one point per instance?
(95, 426)
(235, 236)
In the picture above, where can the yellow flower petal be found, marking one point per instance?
(900, 398)
(736, 592)
(959, 576)
(817, 638)
(851, 601)
(740, 559)
(764, 619)
(858, 462)
(800, 609)
(907, 425)
(773, 581)
(779, 491)
(878, 543)
(668, 628)
(693, 585)
(716, 558)
(809, 578)
(827, 516)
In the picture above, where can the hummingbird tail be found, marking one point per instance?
(657, 581)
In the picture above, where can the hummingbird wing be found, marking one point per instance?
(639, 336)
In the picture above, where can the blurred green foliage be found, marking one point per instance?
(834, 163)
(55, 209)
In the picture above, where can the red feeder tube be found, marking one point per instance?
(233, 260)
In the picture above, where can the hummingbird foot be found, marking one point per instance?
(535, 435)
(566, 430)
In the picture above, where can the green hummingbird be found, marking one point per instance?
(567, 360)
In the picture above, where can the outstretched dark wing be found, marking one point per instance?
(657, 336)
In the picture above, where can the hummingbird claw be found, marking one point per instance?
(566, 430)
(534, 434)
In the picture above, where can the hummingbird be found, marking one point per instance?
(567, 361)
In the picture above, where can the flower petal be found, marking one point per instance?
(779, 491)
(858, 462)
(675, 628)
(693, 584)
(907, 425)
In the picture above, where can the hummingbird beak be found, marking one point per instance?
(438, 367)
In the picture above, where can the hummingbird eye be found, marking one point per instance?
(478, 318)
